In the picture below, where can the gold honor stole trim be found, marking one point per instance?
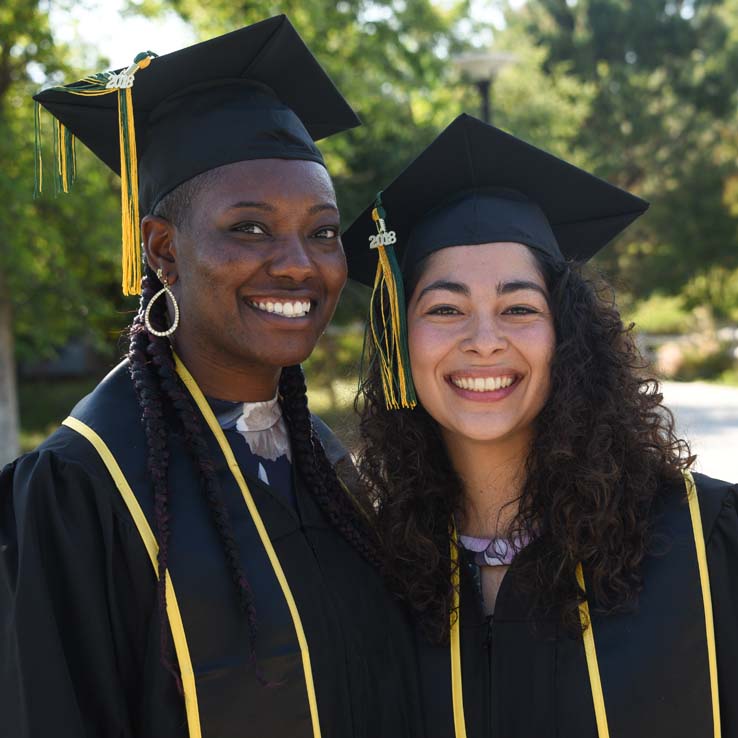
(457, 691)
(590, 650)
(147, 535)
(225, 447)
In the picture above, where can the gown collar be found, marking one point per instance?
(261, 424)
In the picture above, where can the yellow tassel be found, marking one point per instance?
(62, 159)
(131, 242)
(383, 352)
(66, 167)
(38, 158)
(387, 321)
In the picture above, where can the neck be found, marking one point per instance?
(237, 382)
(492, 475)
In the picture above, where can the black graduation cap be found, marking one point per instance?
(255, 93)
(473, 184)
(477, 184)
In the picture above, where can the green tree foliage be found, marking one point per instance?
(58, 253)
(661, 121)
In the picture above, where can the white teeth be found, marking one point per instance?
(483, 384)
(287, 309)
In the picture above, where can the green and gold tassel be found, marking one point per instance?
(387, 318)
(65, 171)
(64, 157)
(38, 164)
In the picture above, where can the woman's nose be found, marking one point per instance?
(291, 260)
(485, 337)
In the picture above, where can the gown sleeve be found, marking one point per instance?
(73, 604)
(722, 557)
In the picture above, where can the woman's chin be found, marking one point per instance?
(479, 431)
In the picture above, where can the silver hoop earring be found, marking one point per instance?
(163, 291)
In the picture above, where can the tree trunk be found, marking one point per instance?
(9, 423)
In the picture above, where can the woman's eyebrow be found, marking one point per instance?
(443, 284)
(322, 206)
(505, 288)
(270, 208)
(252, 204)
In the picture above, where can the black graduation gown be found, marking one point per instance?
(79, 623)
(524, 677)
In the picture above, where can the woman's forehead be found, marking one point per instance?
(268, 180)
(483, 263)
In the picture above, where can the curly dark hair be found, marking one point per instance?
(161, 395)
(603, 447)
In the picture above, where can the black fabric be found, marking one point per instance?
(255, 93)
(79, 630)
(653, 661)
(481, 216)
(477, 184)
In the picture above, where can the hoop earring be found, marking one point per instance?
(164, 290)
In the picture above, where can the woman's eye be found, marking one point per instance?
(328, 232)
(250, 228)
(521, 310)
(444, 310)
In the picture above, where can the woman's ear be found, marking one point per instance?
(159, 247)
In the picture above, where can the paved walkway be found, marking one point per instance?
(707, 415)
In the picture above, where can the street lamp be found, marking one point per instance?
(481, 68)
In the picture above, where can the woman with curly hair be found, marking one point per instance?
(569, 576)
(180, 558)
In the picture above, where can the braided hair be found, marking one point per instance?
(160, 391)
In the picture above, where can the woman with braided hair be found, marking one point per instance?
(569, 575)
(181, 558)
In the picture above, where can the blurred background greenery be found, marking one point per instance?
(642, 92)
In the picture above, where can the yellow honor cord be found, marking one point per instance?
(699, 541)
(593, 667)
(212, 423)
(457, 690)
(174, 615)
(704, 574)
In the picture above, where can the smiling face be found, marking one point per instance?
(256, 266)
(481, 338)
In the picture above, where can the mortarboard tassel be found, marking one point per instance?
(387, 319)
(66, 168)
(65, 171)
(38, 165)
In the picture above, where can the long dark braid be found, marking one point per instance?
(156, 381)
(153, 372)
(149, 398)
(317, 472)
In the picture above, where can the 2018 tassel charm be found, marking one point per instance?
(387, 319)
